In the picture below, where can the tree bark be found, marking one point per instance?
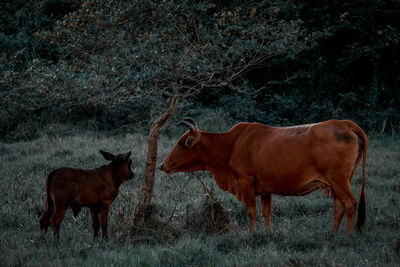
(151, 161)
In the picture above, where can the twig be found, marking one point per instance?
(123, 195)
(181, 189)
(196, 30)
(176, 202)
(204, 186)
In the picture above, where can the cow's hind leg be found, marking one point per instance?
(338, 213)
(57, 218)
(95, 221)
(346, 197)
(266, 203)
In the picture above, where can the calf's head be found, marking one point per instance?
(121, 165)
(186, 154)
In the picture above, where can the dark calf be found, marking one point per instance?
(76, 188)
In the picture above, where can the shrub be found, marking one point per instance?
(112, 65)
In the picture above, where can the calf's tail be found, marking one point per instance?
(49, 205)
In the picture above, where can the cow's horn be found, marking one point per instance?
(191, 121)
(187, 124)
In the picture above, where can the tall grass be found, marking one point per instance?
(301, 232)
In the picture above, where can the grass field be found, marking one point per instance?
(301, 232)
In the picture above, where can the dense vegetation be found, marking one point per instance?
(113, 64)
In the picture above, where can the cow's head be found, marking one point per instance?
(185, 156)
(121, 165)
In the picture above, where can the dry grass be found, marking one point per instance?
(184, 229)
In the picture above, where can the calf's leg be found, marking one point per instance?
(57, 218)
(103, 219)
(44, 221)
(95, 222)
(46, 215)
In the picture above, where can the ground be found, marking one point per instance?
(301, 232)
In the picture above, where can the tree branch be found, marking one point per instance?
(148, 187)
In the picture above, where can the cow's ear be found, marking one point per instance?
(126, 156)
(107, 155)
(191, 141)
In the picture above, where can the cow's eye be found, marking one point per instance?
(189, 141)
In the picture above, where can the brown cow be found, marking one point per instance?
(253, 159)
(76, 188)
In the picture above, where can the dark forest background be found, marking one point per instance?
(113, 65)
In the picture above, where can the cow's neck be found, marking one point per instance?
(217, 148)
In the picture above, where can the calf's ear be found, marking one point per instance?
(126, 156)
(107, 155)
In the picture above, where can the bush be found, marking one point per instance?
(112, 65)
(119, 61)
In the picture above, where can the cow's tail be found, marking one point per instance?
(49, 205)
(361, 210)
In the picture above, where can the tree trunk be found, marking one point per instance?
(148, 187)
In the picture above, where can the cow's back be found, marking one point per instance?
(285, 159)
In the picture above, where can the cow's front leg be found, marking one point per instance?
(246, 186)
(266, 204)
(250, 201)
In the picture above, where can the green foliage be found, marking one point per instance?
(20, 22)
(112, 65)
(119, 61)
